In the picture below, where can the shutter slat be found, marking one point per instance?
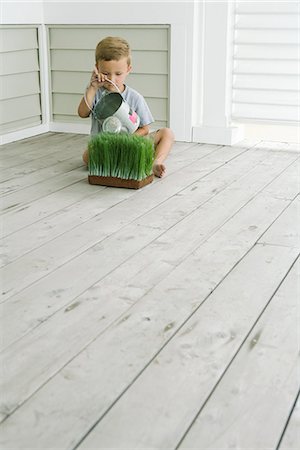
(271, 97)
(19, 108)
(261, 51)
(19, 85)
(267, 7)
(74, 83)
(268, 21)
(270, 67)
(83, 60)
(265, 82)
(263, 36)
(13, 39)
(153, 38)
(19, 62)
(266, 112)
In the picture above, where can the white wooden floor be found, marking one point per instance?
(161, 318)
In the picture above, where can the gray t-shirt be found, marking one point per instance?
(136, 102)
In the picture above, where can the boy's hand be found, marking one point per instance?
(97, 79)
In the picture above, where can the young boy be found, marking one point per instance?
(113, 62)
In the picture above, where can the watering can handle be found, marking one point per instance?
(115, 86)
(86, 102)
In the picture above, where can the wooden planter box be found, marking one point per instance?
(120, 182)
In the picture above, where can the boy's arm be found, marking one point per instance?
(97, 80)
(83, 110)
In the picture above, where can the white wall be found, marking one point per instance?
(21, 12)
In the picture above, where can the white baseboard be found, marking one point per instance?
(205, 135)
(63, 127)
(273, 132)
(23, 134)
(218, 135)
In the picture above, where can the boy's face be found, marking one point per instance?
(116, 71)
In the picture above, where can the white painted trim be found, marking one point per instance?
(215, 89)
(44, 73)
(218, 135)
(23, 134)
(213, 124)
(273, 132)
(64, 127)
(22, 12)
(198, 63)
(229, 59)
(180, 88)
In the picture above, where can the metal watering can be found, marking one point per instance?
(116, 115)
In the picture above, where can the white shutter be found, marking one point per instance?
(266, 63)
(20, 102)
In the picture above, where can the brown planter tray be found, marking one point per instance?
(120, 182)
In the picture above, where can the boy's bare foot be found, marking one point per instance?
(159, 170)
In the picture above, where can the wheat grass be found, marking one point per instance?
(126, 156)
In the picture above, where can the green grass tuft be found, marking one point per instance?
(126, 156)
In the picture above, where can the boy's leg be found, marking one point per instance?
(85, 156)
(163, 141)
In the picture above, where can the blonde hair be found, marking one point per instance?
(113, 48)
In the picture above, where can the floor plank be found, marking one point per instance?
(285, 231)
(44, 155)
(291, 435)
(11, 186)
